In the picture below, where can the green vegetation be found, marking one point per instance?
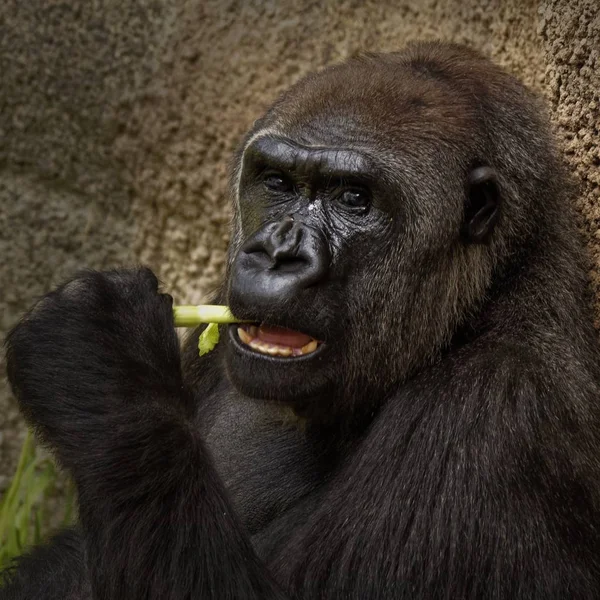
(24, 517)
(191, 316)
(208, 339)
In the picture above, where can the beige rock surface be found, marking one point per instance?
(118, 118)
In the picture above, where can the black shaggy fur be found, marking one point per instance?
(446, 446)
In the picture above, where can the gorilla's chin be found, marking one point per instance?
(291, 380)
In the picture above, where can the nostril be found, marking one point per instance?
(265, 272)
(288, 264)
(287, 248)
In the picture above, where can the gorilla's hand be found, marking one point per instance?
(96, 368)
(97, 351)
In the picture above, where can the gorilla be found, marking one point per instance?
(410, 407)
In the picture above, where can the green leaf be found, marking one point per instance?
(23, 509)
(209, 338)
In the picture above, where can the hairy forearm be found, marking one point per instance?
(183, 538)
(96, 369)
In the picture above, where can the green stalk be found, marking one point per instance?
(10, 500)
(191, 316)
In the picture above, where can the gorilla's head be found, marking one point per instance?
(378, 205)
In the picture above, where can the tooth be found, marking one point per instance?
(310, 347)
(243, 335)
(253, 331)
(246, 335)
(259, 346)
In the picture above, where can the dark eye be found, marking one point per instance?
(277, 182)
(355, 199)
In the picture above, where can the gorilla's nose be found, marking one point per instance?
(281, 259)
(281, 242)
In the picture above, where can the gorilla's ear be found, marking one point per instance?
(482, 205)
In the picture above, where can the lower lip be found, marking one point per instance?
(279, 359)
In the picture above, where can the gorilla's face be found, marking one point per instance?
(309, 216)
(356, 223)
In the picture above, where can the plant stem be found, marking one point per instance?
(190, 316)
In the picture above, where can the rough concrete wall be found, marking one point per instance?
(118, 118)
(570, 34)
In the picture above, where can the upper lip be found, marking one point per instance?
(285, 325)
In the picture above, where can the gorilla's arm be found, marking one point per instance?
(464, 480)
(96, 369)
(55, 571)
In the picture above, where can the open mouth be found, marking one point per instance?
(277, 341)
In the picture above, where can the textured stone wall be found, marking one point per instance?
(118, 118)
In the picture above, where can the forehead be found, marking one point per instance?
(379, 101)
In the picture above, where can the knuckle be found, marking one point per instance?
(148, 277)
(78, 289)
(39, 307)
(75, 289)
(43, 310)
(130, 280)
